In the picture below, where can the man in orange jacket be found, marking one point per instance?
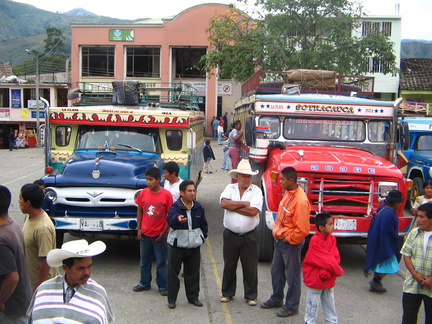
(291, 227)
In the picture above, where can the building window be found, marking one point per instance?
(187, 62)
(375, 27)
(97, 61)
(4, 97)
(376, 65)
(143, 62)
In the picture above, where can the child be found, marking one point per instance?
(320, 269)
(226, 161)
(220, 132)
(208, 156)
(426, 198)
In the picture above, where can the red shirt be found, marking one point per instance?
(155, 210)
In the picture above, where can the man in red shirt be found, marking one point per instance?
(153, 205)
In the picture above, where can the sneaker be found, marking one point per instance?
(283, 312)
(252, 302)
(139, 288)
(376, 287)
(270, 304)
(163, 291)
(225, 299)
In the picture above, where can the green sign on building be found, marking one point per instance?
(124, 35)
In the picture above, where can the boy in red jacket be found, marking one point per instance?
(320, 269)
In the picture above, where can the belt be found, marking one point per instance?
(241, 234)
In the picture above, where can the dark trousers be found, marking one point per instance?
(411, 305)
(245, 248)
(286, 268)
(191, 259)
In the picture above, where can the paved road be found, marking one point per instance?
(118, 270)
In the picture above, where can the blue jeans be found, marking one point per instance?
(326, 298)
(286, 268)
(226, 161)
(148, 248)
(215, 133)
(219, 139)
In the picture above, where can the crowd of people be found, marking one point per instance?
(171, 229)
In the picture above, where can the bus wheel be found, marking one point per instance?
(266, 240)
(59, 238)
(416, 190)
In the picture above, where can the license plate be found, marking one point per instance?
(345, 224)
(91, 225)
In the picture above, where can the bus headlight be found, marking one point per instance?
(303, 183)
(51, 194)
(384, 187)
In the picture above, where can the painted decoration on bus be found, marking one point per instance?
(350, 109)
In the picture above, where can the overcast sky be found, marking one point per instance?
(416, 14)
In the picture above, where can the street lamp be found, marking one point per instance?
(36, 57)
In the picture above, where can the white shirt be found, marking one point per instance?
(236, 222)
(173, 188)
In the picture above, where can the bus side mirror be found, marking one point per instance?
(404, 136)
(191, 139)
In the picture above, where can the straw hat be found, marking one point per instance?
(243, 167)
(74, 249)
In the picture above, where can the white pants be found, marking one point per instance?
(314, 298)
(208, 166)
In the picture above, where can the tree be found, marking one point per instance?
(54, 40)
(295, 34)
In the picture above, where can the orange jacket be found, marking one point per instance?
(293, 218)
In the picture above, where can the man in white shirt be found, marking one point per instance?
(172, 179)
(242, 202)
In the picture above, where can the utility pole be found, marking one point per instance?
(36, 57)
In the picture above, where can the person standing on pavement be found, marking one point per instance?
(417, 255)
(383, 242)
(11, 139)
(242, 202)
(153, 205)
(39, 235)
(291, 227)
(226, 159)
(208, 156)
(225, 119)
(321, 266)
(72, 297)
(235, 143)
(214, 125)
(15, 290)
(220, 133)
(189, 228)
(172, 180)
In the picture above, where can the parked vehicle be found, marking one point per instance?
(343, 148)
(98, 150)
(418, 157)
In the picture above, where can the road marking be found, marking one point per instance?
(218, 281)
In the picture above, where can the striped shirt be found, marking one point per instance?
(421, 259)
(88, 305)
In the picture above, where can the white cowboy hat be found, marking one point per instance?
(74, 249)
(243, 167)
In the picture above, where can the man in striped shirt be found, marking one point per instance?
(73, 296)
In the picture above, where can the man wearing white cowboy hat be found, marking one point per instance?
(73, 296)
(242, 202)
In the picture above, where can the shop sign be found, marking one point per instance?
(41, 114)
(123, 35)
(16, 98)
(32, 104)
(4, 114)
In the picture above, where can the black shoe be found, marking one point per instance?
(163, 291)
(286, 312)
(172, 305)
(196, 303)
(270, 304)
(376, 287)
(139, 288)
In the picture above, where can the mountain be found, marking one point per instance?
(23, 26)
(414, 48)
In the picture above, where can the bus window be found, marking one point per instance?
(174, 140)
(379, 131)
(271, 126)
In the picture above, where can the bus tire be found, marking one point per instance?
(250, 131)
(416, 190)
(59, 238)
(266, 240)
